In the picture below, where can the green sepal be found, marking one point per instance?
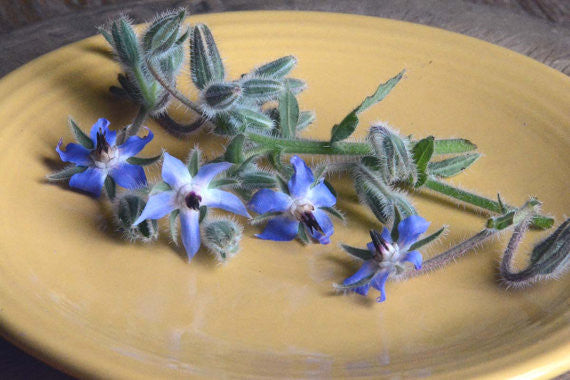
(422, 152)
(140, 161)
(173, 226)
(129, 208)
(246, 164)
(234, 150)
(552, 255)
(251, 118)
(331, 188)
(394, 232)
(258, 180)
(333, 211)
(276, 69)
(288, 114)
(79, 135)
(220, 182)
(203, 213)
(206, 65)
(296, 86)
(159, 188)
(148, 229)
(453, 146)
(261, 89)
(515, 216)
(306, 118)
(428, 239)
(162, 34)
(125, 42)
(108, 37)
(452, 166)
(347, 126)
(194, 161)
(221, 96)
(65, 173)
(110, 187)
(359, 253)
(282, 184)
(302, 234)
(264, 217)
(502, 207)
(358, 284)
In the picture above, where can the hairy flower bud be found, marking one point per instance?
(221, 237)
(393, 153)
(128, 208)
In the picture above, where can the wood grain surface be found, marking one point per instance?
(28, 28)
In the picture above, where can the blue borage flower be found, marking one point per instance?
(187, 194)
(385, 257)
(100, 157)
(303, 204)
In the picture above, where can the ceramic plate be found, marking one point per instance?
(78, 297)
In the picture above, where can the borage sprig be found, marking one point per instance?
(259, 114)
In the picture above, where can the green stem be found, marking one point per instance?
(173, 90)
(302, 146)
(134, 128)
(539, 221)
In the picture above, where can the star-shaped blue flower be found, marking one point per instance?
(386, 257)
(100, 157)
(302, 205)
(188, 194)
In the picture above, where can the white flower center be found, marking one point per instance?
(105, 159)
(300, 207)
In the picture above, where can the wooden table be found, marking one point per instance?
(29, 28)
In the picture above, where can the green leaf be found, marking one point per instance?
(110, 187)
(347, 126)
(234, 150)
(428, 239)
(277, 69)
(452, 166)
(65, 173)
(163, 32)
(261, 89)
(159, 188)
(79, 135)
(359, 253)
(206, 65)
(288, 114)
(453, 146)
(306, 118)
(141, 161)
(333, 211)
(422, 152)
(194, 162)
(173, 226)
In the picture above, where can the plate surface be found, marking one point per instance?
(75, 295)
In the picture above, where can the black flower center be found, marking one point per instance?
(102, 144)
(308, 219)
(193, 200)
(380, 244)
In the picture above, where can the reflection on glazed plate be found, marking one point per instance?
(76, 296)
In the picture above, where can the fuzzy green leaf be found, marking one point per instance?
(452, 166)
(173, 226)
(306, 118)
(422, 152)
(126, 43)
(141, 161)
(359, 253)
(333, 211)
(79, 135)
(251, 118)
(206, 65)
(277, 69)
(65, 173)
(288, 114)
(295, 85)
(428, 239)
(258, 180)
(220, 182)
(347, 126)
(234, 150)
(453, 146)
(163, 33)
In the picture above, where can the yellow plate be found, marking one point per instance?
(86, 302)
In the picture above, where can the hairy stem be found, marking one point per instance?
(539, 221)
(451, 254)
(303, 146)
(506, 264)
(173, 90)
(135, 126)
(176, 128)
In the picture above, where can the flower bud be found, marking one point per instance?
(205, 62)
(221, 237)
(128, 208)
(262, 89)
(393, 154)
(278, 68)
(221, 96)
